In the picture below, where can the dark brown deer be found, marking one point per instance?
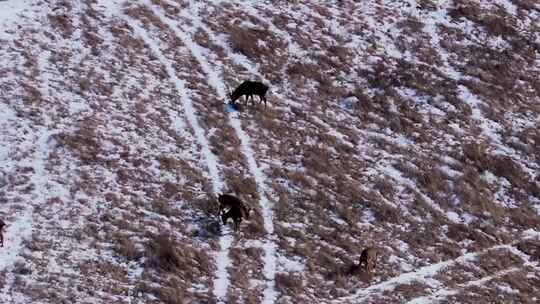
(236, 209)
(2, 225)
(248, 89)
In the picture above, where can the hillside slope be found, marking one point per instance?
(412, 126)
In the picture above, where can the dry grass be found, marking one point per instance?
(128, 249)
(163, 254)
(524, 216)
(255, 43)
(83, 143)
(465, 9)
(172, 295)
(411, 290)
(63, 24)
(289, 283)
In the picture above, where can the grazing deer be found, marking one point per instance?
(2, 225)
(368, 257)
(236, 209)
(248, 89)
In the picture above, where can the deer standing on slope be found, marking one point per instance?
(236, 209)
(2, 225)
(248, 89)
(368, 257)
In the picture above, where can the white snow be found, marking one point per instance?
(288, 265)
(532, 233)
(20, 228)
(507, 289)
(16, 232)
(368, 216)
(450, 172)
(454, 217)
(398, 177)
(446, 292)
(12, 12)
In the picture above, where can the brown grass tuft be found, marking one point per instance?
(127, 248)
(289, 283)
(163, 254)
(255, 43)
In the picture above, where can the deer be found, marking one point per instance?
(236, 209)
(368, 257)
(248, 89)
(2, 225)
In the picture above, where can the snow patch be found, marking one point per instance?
(11, 12)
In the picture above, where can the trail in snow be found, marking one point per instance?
(426, 272)
(15, 235)
(18, 136)
(21, 228)
(446, 292)
(221, 283)
(294, 49)
(12, 12)
(192, 13)
(398, 177)
(216, 81)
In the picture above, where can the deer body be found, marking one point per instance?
(368, 257)
(2, 224)
(248, 89)
(236, 209)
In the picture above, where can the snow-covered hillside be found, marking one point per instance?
(411, 126)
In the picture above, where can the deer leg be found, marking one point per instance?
(361, 261)
(238, 222)
(220, 210)
(226, 216)
(366, 265)
(1, 239)
(371, 263)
